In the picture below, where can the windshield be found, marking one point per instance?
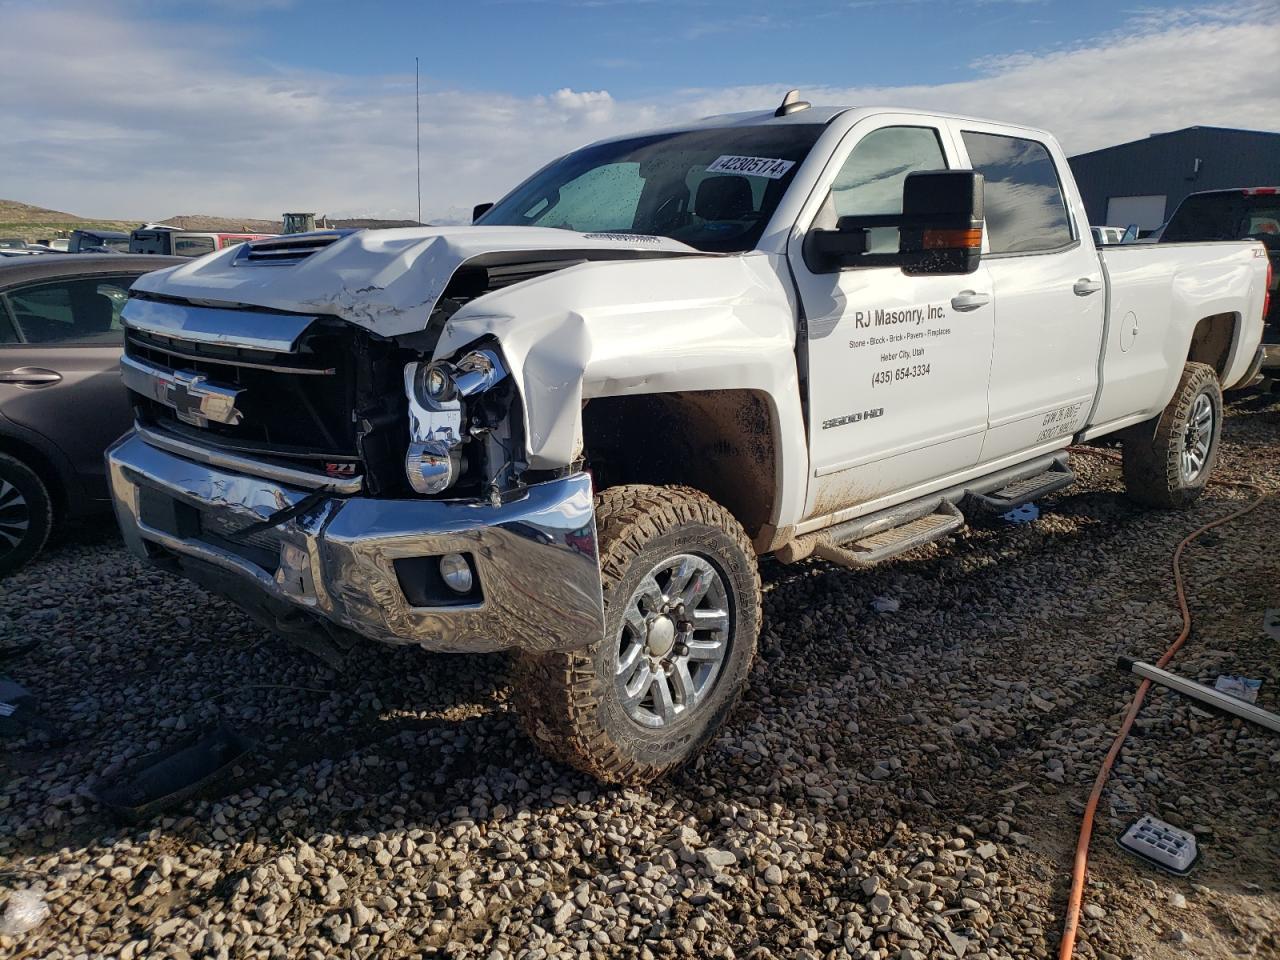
(116, 243)
(1225, 216)
(712, 189)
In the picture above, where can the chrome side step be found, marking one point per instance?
(1022, 491)
(873, 548)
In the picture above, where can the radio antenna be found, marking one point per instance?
(417, 133)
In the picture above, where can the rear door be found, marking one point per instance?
(60, 343)
(1050, 299)
(897, 364)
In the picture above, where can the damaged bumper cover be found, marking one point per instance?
(370, 565)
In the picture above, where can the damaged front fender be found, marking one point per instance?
(618, 329)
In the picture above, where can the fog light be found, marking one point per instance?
(456, 572)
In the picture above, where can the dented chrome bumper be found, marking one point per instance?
(367, 565)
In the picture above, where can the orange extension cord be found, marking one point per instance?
(1072, 923)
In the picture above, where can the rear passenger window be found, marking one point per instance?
(1024, 206)
(67, 312)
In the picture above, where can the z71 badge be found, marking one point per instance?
(853, 418)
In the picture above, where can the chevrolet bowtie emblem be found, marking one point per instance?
(197, 401)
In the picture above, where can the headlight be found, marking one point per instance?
(478, 371)
(435, 390)
(431, 466)
(433, 386)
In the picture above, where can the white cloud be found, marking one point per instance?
(110, 115)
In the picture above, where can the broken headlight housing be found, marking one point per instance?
(441, 381)
(455, 425)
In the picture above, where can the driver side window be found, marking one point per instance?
(870, 181)
(602, 199)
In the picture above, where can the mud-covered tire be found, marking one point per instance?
(569, 703)
(26, 514)
(1155, 470)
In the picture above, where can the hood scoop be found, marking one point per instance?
(286, 250)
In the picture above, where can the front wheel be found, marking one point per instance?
(682, 612)
(1168, 461)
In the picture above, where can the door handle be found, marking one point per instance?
(1085, 286)
(969, 300)
(30, 377)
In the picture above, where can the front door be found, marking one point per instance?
(897, 364)
(1050, 301)
(60, 343)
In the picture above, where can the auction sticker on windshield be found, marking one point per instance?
(752, 166)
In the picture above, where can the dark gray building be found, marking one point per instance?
(1143, 181)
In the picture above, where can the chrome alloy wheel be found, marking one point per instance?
(15, 516)
(674, 639)
(1196, 438)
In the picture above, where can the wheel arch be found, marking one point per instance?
(1213, 341)
(44, 467)
(725, 443)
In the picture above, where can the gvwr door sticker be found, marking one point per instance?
(752, 166)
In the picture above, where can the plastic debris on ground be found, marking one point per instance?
(165, 779)
(1271, 623)
(1023, 514)
(885, 605)
(10, 694)
(25, 911)
(1162, 844)
(1242, 688)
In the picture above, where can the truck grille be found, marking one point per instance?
(297, 406)
(334, 405)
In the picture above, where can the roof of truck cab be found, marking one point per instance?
(810, 115)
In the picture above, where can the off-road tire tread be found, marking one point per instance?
(1150, 464)
(41, 506)
(554, 692)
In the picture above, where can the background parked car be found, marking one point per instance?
(61, 398)
(98, 241)
(158, 238)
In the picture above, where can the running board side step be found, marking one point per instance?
(1025, 490)
(874, 548)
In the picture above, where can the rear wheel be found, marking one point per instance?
(26, 514)
(682, 612)
(1168, 460)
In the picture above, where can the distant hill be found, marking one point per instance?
(11, 211)
(197, 221)
(226, 225)
(38, 223)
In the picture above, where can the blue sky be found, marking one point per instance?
(138, 109)
(644, 48)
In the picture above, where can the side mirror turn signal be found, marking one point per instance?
(939, 229)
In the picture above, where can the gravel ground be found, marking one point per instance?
(895, 785)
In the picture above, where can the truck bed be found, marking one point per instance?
(1165, 290)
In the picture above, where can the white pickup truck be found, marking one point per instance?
(570, 429)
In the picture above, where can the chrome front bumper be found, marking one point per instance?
(534, 557)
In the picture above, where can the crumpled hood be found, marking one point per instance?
(387, 281)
